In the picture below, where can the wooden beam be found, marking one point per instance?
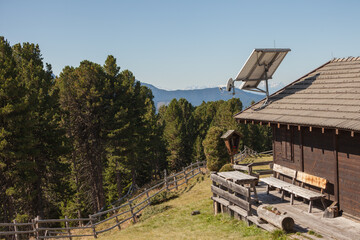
(260, 123)
(273, 143)
(301, 149)
(336, 165)
(278, 125)
(337, 131)
(299, 128)
(310, 129)
(322, 130)
(352, 133)
(245, 121)
(288, 127)
(252, 122)
(269, 124)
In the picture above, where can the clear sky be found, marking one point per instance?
(185, 44)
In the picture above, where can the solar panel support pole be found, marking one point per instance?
(267, 86)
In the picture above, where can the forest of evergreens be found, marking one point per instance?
(72, 144)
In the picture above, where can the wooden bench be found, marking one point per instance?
(230, 198)
(276, 182)
(303, 178)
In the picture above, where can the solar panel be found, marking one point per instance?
(261, 65)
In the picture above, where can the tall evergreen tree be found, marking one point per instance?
(82, 98)
(203, 117)
(179, 133)
(31, 139)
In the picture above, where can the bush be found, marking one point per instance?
(226, 168)
(214, 149)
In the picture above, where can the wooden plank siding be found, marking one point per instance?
(311, 152)
(349, 172)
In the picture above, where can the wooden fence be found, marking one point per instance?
(89, 227)
(249, 168)
(248, 152)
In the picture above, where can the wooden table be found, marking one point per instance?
(240, 178)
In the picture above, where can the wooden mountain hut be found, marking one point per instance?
(316, 128)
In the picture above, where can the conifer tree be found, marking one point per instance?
(31, 139)
(82, 99)
(179, 133)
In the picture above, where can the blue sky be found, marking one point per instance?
(185, 44)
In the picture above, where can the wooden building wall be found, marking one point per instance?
(349, 172)
(323, 153)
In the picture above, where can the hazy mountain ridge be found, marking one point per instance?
(197, 96)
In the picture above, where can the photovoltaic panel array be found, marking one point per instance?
(261, 65)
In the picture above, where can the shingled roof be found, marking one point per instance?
(328, 97)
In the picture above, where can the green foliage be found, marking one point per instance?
(31, 140)
(278, 235)
(226, 168)
(311, 232)
(215, 151)
(179, 133)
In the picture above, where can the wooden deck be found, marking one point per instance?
(329, 228)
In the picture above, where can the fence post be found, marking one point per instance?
(36, 227)
(175, 181)
(166, 180)
(67, 227)
(132, 211)
(147, 196)
(15, 229)
(116, 218)
(186, 181)
(92, 225)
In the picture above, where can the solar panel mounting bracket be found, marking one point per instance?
(259, 67)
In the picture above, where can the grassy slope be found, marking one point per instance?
(173, 220)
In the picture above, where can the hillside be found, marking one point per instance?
(197, 96)
(173, 219)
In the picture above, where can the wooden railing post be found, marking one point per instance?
(116, 218)
(67, 227)
(186, 180)
(92, 225)
(166, 180)
(36, 227)
(175, 181)
(15, 229)
(147, 196)
(132, 211)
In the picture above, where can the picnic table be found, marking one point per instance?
(241, 179)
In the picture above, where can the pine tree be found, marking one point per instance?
(82, 99)
(31, 139)
(179, 133)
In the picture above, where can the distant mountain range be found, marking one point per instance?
(197, 96)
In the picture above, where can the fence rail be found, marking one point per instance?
(249, 152)
(133, 207)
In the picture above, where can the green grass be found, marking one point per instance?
(173, 220)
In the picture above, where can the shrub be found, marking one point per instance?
(214, 149)
(226, 168)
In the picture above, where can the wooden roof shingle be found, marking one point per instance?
(327, 97)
